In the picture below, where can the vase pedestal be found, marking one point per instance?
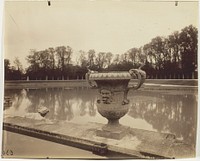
(113, 111)
(113, 132)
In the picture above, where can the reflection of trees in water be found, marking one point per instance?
(86, 101)
(16, 96)
(63, 109)
(82, 107)
(60, 101)
(92, 110)
(20, 104)
(167, 113)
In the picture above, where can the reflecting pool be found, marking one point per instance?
(162, 111)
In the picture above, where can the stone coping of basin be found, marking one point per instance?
(137, 144)
(110, 76)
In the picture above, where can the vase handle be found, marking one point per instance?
(87, 77)
(140, 75)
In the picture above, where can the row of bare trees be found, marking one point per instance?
(49, 63)
(174, 56)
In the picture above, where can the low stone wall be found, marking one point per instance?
(149, 83)
(45, 84)
(137, 143)
(89, 145)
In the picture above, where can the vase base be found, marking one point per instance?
(116, 133)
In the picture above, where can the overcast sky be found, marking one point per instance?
(110, 26)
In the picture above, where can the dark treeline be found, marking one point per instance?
(172, 57)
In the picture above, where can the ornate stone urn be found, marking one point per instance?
(112, 102)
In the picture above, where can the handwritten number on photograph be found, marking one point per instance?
(8, 152)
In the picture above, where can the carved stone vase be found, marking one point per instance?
(112, 102)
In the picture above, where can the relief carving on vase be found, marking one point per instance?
(112, 102)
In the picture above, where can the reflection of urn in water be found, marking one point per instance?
(112, 102)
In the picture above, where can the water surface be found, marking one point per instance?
(162, 111)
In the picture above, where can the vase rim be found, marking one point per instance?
(113, 71)
(110, 76)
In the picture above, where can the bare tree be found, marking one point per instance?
(18, 64)
(91, 57)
